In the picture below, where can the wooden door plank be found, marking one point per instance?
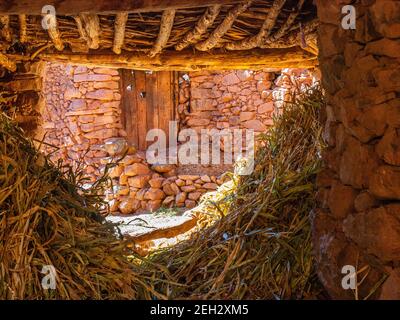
(129, 108)
(151, 99)
(164, 100)
(141, 109)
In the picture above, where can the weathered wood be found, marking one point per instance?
(152, 95)
(7, 63)
(187, 60)
(119, 33)
(129, 107)
(91, 25)
(225, 25)
(54, 34)
(167, 22)
(201, 27)
(165, 100)
(141, 105)
(295, 38)
(170, 232)
(287, 25)
(268, 25)
(147, 104)
(81, 29)
(75, 7)
(22, 28)
(5, 28)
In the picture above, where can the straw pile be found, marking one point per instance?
(254, 242)
(47, 219)
(261, 247)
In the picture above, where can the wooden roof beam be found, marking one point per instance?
(187, 60)
(54, 33)
(288, 23)
(225, 25)
(22, 28)
(75, 7)
(167, 22)
(268, 25)
(119, 32)
(200, 28)
(91, 26)
(304, 37)
(5, 28)
(81, 29)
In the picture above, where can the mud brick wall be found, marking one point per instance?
(358, 219)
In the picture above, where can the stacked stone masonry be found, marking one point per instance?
(82, 125)
(242, 99)
(358, 219)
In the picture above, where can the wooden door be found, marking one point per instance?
(148, 102)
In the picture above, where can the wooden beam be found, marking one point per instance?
(75, 7)
(200, 28)
(7, 63)
(91, 25)
(54, 34)
(81, 29)
(187, 60)
(268, 25)
(22, 28)
(166, 232)
(306, 34)
(119, 31)
(5, 28)
(167, 22)
(288, 23)
(225, 25)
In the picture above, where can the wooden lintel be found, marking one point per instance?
(187, 60)
(75, 7)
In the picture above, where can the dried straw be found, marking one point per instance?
(254, 241)
(261, 247)
(46, 218)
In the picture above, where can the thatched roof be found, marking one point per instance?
(153, 28)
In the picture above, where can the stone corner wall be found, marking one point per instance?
(358, 219)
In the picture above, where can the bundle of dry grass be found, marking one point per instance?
(47, 219)
(261, 247)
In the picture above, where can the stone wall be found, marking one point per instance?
(242, 99)
(358, 220)
(82, 126)
(82, 112)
